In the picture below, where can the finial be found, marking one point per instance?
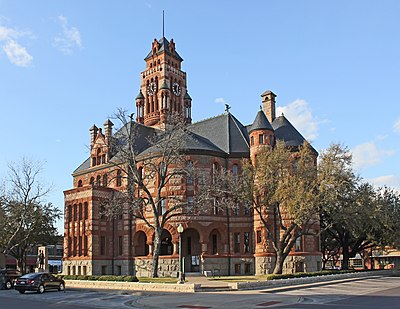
(131, 116)
(260, 108)
(227, 108)
(163, 23)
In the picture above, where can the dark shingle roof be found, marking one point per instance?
(191, 142)
(261, 122)
(285, 131)
(224, 131)
(164, 47)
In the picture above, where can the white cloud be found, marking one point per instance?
(391, 181)
(68, 39)
(368, 154)
(300, 115)
(15, 52)
(220, 100)
(396, 126)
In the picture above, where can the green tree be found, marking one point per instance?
(281, 185)
(354, 215)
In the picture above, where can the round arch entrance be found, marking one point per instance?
(191, 250)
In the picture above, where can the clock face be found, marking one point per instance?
(151, 88)
(176, 89)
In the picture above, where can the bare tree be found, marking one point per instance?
(27, 219)
(150, 175)
(281, 185)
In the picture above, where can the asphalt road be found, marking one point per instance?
(378, 292)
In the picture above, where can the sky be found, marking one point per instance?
(334, 66)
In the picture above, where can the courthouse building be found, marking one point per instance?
(230, 243)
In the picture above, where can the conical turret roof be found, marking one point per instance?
(261, 122)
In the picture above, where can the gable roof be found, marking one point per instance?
(164, 47)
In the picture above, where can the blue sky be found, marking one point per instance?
(334, 65)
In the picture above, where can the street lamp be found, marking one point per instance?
(180, 231)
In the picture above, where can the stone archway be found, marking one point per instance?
(191, 250)
(141, 246)
(166, 243)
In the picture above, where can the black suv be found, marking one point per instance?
(8, 277)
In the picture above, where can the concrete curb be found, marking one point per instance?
(194, 287)
(307, 280)
(132, 286)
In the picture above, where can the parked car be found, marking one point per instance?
(7, 278)
(39, 282)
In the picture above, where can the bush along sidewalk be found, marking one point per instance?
(100, 278)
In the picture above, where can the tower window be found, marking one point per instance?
(118, 179)
(252, 140)
(80, 183)
(261, 139)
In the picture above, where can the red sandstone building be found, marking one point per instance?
(232, 244)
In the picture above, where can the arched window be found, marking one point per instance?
(80, 183)
(91, 181)
(118, 179)
(98, 180)
(105, 180)
(93, 161)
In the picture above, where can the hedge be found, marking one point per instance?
(100, 278)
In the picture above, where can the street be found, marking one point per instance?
(379, 292)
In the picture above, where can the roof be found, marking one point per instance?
(164, 47)
(187, 96)
(224, 131)
(220, 135)
(261, 122)
(140, 95)
(285, 131)
(191, 142)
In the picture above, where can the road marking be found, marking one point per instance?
(269, 303)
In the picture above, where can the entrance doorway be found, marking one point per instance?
(191, 250)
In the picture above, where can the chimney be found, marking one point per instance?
(108, 125)
(93, 134)
(268, 100)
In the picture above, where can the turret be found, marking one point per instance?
(139, 107)
(261, 134)
(188, 107)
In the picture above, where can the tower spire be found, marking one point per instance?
(163, 23)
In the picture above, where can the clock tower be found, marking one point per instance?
(163, 88)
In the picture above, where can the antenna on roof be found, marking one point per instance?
(163, 23)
